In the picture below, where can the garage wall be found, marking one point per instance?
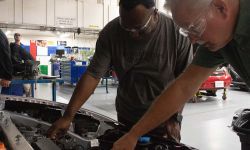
(7, 13)
(93, 14)
(18, 12)
(160, 6)
(59, 13)
(66, 13)
(34, 12)
(62, 13)
(50, 13)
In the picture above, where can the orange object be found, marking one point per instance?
(2, 146)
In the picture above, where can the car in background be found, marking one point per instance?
(237, 80)
(219, 79)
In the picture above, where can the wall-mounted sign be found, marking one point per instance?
(61, 43)
(84, 48)
(63, 21)
(42, 47)
(52, 43)
(42, 43)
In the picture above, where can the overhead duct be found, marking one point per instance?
(50, 28)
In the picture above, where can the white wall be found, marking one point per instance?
(7, 13)
(66, 13)
(34, 13)
(93, 14)
(18, 11)
(160, 6)
(78, 13)
(113, 12)
(69, 13)
(50, 13)
(58, 13)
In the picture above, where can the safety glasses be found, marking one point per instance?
(196, 28)
(138, 29)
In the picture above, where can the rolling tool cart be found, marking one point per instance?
(71, 71)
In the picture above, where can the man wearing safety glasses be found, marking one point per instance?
(222, 29)
(147, 52)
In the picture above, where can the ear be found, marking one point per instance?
(221, 8)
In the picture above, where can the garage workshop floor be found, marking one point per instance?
(205, 124)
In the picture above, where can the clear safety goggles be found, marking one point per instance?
(196, 28)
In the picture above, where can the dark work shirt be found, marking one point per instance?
(236, 52)
(145, 67)
(19, 54)
(5, 60)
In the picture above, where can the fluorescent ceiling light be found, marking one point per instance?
(7, 32)
(64, 35)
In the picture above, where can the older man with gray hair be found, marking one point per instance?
(222, 29)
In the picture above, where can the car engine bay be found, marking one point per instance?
(24, 123)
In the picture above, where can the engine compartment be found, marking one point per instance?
(29, 119)
(24, 123)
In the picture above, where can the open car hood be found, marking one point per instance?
(24, 123)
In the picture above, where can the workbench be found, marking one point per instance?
(33, 82)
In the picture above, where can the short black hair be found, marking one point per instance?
(130, 4)
(17, 34)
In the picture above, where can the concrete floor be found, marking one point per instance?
(205, 124)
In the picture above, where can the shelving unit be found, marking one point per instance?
(71, 71)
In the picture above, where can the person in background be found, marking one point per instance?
(147, 53)
(222, 29)
(5, 61)
(19, 57)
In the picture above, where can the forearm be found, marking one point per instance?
(82, 92)
(159, 112)
(171, 100)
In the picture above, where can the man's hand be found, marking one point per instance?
(29, 62)
(59, 128)
(173, 130)
(126, 142)
(5, 83)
